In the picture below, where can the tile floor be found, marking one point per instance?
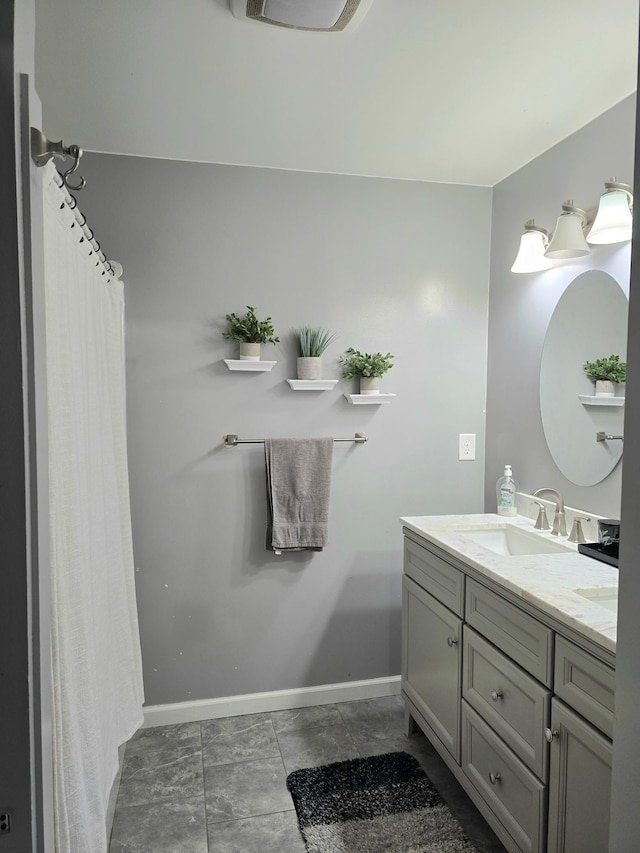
(219, 786)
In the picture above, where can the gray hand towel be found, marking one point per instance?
(298, 487)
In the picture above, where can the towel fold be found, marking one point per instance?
(298, 487)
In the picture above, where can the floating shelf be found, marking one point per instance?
(586, 400)
(312, 384)
(369, 399)
(245, 364)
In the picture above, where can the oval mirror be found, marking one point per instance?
(588, 323)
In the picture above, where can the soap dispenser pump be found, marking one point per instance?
(506, 489)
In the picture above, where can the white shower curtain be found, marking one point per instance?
(97, 671)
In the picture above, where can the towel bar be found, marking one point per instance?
(231, 440)
(602, 436)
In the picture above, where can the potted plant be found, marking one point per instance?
(312, 342)
(368, 367)
(250, 333)
(606, 373)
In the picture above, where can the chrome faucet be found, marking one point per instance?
(559, 527)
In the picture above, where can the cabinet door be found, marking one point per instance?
(431, 662)
(579, 784)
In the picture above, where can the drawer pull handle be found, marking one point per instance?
(496, 695)
(451, 641)
(494, 778)
(550, 735)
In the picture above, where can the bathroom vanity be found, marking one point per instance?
(508, 667)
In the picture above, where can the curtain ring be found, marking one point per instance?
(75, 152)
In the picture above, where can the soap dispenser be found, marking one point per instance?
(506, 489)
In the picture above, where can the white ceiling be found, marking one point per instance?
(457, 91)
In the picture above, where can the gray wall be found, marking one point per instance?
(387, 265)
(520, 306)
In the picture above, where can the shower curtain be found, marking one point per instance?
(97, 671)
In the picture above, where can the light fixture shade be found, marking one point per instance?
(568, 239)
(613, 222)
(530, 257)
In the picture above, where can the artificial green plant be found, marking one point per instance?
(248, 329)
(609, 369)
(356, 363)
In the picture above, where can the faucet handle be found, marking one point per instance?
(542, 522)
(576, 534)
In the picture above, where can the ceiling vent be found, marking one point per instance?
(323, 16)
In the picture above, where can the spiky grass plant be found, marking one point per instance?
(313, 341)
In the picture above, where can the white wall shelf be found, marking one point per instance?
(587, 400)
(245, 364)
(312, 384)
(369, 399)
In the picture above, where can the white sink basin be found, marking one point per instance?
(605, 596)
(513, 541)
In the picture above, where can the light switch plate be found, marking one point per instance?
(466, 446)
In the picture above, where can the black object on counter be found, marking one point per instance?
(608, 531)
(604, 553)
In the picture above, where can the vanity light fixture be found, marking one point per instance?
(568, 237)
(613, 222)
(531, 257)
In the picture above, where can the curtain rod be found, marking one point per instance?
(43, 150)
(231, 440)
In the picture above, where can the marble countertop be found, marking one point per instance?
(547, 581)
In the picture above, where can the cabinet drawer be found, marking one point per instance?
(438, 577)
(586, 684)
(513, 793)
(514, 704)
(527, 641)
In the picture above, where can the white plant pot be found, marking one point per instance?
(604, 388)
(369, 385)
(249, 352)
(309, 367)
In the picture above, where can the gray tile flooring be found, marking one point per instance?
(219, 786)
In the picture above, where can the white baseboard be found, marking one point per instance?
(277, 700)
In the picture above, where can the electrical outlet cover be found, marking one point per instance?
(466, 446)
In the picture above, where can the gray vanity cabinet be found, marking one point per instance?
(520, 710)
(431, 663)
(579, 784)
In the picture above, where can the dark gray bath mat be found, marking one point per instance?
(382, 804)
